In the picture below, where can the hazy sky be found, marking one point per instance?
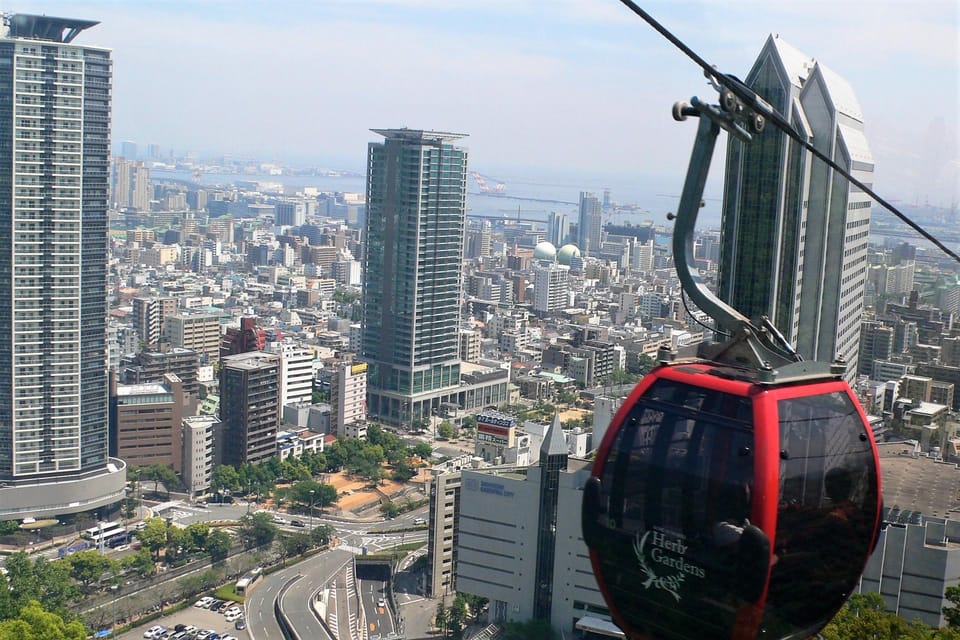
(541, 86)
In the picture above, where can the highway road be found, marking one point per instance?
(375, 606)
(315, 572)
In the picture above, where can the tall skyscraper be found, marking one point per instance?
(416, 212)
(55, 103)
(589, 224)
(795, 233)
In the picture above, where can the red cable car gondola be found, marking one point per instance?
(736, 494)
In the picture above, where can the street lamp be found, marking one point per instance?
(311, 509)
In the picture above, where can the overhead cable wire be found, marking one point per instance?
(755, 102)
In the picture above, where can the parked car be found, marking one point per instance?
(154, 631)
(240, 624)
(203, 602)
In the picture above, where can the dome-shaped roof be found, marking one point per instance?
(545, 251)
(567, 253)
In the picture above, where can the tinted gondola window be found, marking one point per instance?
(826, 512)
(677, 492)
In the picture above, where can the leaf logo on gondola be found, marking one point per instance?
(671, 584)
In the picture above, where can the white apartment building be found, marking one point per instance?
(296, 371)
(199, 438)
(348, 395)
(550, 287)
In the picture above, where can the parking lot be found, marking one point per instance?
(200, 618)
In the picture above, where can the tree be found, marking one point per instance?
(154, 536)
(218, 544)
(446, 431)
(865, 616)
(87, 567)
(225, 477)
(622, 376)
(440, 618)
(160, 473)
(423, 450)
(257, 530)
(49, 583)
(952, 614)
(197, 535)
(375, 475)
(140, 562)
(457, 616)
(36, 623)
(390, 510)
(323, 534)
(178, 543)
(296, 544)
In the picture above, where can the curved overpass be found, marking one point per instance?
(315, 572)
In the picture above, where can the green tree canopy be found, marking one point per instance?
(154, 536)
(140, 562)
(36, 623)
(257, 530)
(446, 430)
(225, 477)
(87, 567)
(218, 544)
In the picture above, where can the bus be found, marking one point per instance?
(104, 531)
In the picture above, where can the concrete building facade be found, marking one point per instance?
(198, 331)
(249, 406)
(199, 452)
(54, 170)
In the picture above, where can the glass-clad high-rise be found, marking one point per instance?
(416, 212)
(54, 151)
(796, 233)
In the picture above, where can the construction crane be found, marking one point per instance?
(499, 186)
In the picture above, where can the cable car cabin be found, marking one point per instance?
(723, 508)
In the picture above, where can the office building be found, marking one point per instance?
(147, 423)
(151, 366)
(539, 567)
(54, 391)
(290, 213)
(795, 233)
(128, 150)
(557, 228)
(198, 331)
(416, 212)
(249, 406)
(444, 492)
(589, 224)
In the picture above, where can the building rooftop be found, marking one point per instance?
(23, 25)
(917, 483)
(419, 135)
(150, 388)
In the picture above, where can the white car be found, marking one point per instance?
(154, 631)
(381, 603)
(232, 614)
(203, 602)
